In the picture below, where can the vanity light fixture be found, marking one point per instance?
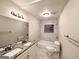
(17, 15)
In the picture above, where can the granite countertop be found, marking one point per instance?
(24, 48)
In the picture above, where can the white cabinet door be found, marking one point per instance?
(32, 52)
(23, 55)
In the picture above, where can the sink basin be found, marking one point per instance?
(28, 44)
(13, 52)
(1, 49)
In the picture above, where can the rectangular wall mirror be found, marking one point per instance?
(11, 29)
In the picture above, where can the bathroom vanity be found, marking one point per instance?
(23, 51)
(11, 32)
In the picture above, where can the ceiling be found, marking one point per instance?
(36, 7)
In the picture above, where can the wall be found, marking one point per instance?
(6, 6)
(34, 27)
(69, 24)
(49, 36)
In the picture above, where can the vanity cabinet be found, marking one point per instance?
(23, 55)
(29, 54)
(32, 52)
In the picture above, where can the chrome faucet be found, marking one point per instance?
(9, 47)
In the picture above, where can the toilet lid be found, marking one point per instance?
(56, 42)
(50, 48)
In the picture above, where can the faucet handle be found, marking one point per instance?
(9, 47)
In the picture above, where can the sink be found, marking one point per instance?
(1, 49)
(13, 52)
(28, 44)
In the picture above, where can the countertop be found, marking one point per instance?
(24, 48)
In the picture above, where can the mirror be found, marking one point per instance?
(11, 29)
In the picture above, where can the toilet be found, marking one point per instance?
(47, 49)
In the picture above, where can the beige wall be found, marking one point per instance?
(69, 24)
(49, 36)
(6, 6)
(34, 27)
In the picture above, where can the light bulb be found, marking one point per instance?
(46, 13)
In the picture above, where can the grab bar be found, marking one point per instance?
(73, 41)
